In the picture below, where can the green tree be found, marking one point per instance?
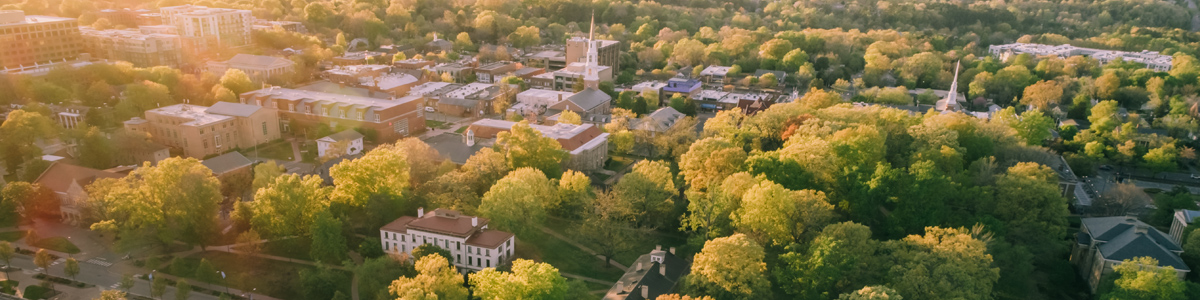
(1162, 159)
(158, 287)
(43, 259)
(1029, 201)
(650, 190)
(376, 274)
(876, 292)
(328, 244)
(570, 117)
(7, 253)
(175, 200)
(111, 295)
(793, 60)
(265, 174)
(71, 267)
(528, 280)
(730, 268)
(710, 160)
(1042, 95)
(775, 215)
(95, 149)
(206, 273)
(237, 81)
(430, 249)
(574, 193)
(774, 49)
(524, 146)
(126, 282)
(942, 264)
(316, 13)
(436, 279)
(18, 133)
(183, 289)
(1143, 278)
(381, 171)
(288, 206)
(838, 259)
(519, 201)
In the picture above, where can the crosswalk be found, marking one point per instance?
(99, 262)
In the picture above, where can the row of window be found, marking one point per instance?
(471, 260)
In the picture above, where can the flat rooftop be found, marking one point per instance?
(198, 115)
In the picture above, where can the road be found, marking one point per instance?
(96, 275)
(1195, 15)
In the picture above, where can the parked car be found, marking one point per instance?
(1106, 167)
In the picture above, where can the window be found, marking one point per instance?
(458, 258)
(264, 126)
(489, 263)
(404, 238)
(217, 140)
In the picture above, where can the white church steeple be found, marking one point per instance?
(591, 78)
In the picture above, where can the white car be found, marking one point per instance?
(429, 108)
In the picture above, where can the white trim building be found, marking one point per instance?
(471, 244)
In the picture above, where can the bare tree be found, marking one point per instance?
(1121, 199)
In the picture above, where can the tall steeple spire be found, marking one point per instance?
(591, 78)
(950, 102)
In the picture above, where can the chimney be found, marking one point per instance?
(420, 212)
(1141, 228)
(639, 265)
(620, 286)
(474, 221)
(662, 269)
(672, 250)
(657, 247)
(559, 97)
(645, 292)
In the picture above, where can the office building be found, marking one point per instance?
(388, 119)
(472, 245)
(258, 67)
(136, 47)
(35, 40)
(205, 131)
(202, 28)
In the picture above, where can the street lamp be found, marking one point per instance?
(226, 281)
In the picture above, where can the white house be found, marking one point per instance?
(353, 140)
(471, 244)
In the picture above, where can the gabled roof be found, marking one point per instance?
(659, 120)
(227, 162)
(1122, 238)
(232, 109)
(647, 271)
(589, 98)
(345, 135)
(59, 176)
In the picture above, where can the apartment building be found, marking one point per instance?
(1152, 59)
(388, 119)
(494, 71)
(203, 28)
(260, 68)
(471, 244)
(142, 49)
(206, 131)
(30, 40)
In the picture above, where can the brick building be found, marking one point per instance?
(388, 119)
(30, 40)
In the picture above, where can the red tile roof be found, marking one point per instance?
(59, 176)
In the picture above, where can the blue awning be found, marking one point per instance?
(708, 106)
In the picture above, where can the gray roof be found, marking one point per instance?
(1120, 240)
(453, 146)
(468, 103)
(345, 135)
(660, 120)
(227, 162)
(589, 98)
(232, 109)
(629, 287)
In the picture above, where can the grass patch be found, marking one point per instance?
(58, 243)
(641, 245)
(35, 292)
(11, 236)
(9, 287)
(461, 129)
(617, 163)
(567, 258)
(294, 248)
(271, 277)
(436, 124)
(281, 150)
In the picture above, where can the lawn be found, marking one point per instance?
(435, 124)
(11, 236)
(565, 257)
(461, 129)
(295, 248)
(617, 163)
(271, 277)
(281, 150)
(58, 243)
(37, 292)
(641, 246)
(9, 286)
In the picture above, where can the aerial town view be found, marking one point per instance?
(599, 149)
